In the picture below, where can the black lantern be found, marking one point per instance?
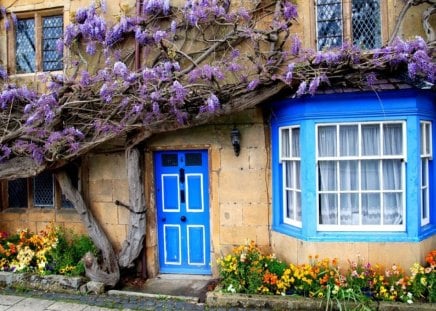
(236, 140)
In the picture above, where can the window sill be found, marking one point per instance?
(33, 74)
(357, 236)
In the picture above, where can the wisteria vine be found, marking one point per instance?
(195, 62)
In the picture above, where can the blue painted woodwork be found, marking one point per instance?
(182, 202)
(411, 106)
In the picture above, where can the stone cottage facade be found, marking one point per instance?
(226, 198)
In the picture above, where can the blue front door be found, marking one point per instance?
(182, 202)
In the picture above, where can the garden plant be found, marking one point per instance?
(52, 251)
(247, 270)
(159, 67)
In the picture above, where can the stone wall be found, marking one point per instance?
(239, 186)
(403, 254)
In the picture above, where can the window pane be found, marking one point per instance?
(349, 209)
(370, 139)
(289, 174)
(348, 176)
(423, 142)
(43, 191)
(366, 23)
(329, 23)
(327, 176)
(428, 139)
(296, 142)
(371, 209)
(25, 45)
(297, 174)
(286, 153)
(328, 209)
(392, 179)
(52, 30)
(327, 141)
(424, 207)
(424, 170)
(392, 139)
(17, 192)
(370, 177)
(298, 205)
(392, 214)
(348, 141)
(289, 205)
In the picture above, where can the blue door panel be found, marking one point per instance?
(196, 240)
(194, 192)
(182, 203)
(172, 246)
(170, 190)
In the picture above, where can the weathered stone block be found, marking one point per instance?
(101, 190)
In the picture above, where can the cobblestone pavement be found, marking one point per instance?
(12, 300)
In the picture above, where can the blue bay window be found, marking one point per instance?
(354, 167)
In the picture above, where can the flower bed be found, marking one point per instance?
(52, 251)
(247, 270)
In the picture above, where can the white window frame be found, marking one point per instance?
(293, 160)
(359, 158)
(426, 157)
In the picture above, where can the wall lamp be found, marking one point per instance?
(235, 136)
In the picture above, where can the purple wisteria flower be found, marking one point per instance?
(120, 69)
(290, 73)
(289, 10)
(3, 73)
(371, 79)
(159, 35)
(5, 152)
(295, 45)
(211, 105)
(302, 88)
(156, 6)
(253, 84)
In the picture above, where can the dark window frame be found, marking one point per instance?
(38, 17)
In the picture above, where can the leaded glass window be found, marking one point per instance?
(25, 45)
(329, 23)
(17, 193)
(43, 190)
(366, 23)
(364, 29)
(52, 29)
(36, 40)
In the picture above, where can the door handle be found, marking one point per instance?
(183, 218)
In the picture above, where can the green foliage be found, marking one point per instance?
(53, 250)
(66, 256)
(246, 270)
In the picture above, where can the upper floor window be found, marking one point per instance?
(34, 41)
(426, 155)
(360, 176)
(357, 20)
(290, 159)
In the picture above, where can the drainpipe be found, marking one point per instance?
(137, 47)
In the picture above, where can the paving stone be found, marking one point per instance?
(6, 300)
(31, 304)
(63, 306)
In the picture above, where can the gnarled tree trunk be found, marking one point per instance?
(134, 242)
(108, 270)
